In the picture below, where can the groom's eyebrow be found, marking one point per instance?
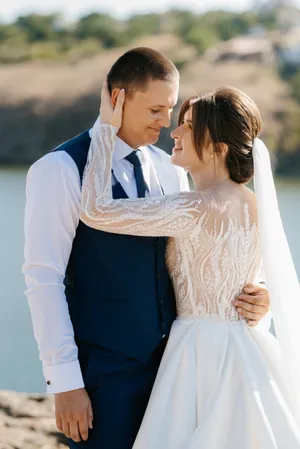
(162, 106)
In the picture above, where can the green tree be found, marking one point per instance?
(268, 19)
(201, 37)
(8, 31)
(102, 27)
(178, 22)
(295, 86)
(143, 24)
(38, 27)
(228, 24)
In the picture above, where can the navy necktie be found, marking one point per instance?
(141, 184)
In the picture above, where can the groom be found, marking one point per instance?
(102, 304)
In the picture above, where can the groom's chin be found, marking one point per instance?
(152, 141)
(152, 136)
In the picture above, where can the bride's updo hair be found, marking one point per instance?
(226, 116)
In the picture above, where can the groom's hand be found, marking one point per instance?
(74, 415)
(253, 304)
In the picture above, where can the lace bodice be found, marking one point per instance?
(213, 249)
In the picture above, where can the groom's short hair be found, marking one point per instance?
(135, 68)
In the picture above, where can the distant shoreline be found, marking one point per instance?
(24, 167)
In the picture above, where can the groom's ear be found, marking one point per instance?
(114, 96)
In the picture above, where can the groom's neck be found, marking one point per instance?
(126, 137)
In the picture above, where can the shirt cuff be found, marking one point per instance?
(63, 377)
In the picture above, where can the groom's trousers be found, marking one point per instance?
(119, 388)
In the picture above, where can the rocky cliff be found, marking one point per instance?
(27, 422)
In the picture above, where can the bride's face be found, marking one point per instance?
(184, 153)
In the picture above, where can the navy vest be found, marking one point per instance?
(117, 286)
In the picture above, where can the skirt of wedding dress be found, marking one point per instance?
(219, 386)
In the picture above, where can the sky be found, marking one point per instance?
(72, 9)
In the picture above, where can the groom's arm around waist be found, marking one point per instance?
(51, 219)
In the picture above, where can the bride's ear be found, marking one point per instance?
(114, 96)
(223, 148)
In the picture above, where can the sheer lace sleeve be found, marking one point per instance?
(170, 215)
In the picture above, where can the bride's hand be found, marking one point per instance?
(110, 115)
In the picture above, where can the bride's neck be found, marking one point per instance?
(210, 179)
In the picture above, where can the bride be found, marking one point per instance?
(221, 384)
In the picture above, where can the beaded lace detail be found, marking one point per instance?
(213, 249)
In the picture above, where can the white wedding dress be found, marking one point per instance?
(220, 384)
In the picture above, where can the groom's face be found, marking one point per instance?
(147, 112)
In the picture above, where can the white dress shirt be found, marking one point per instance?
(53, 192)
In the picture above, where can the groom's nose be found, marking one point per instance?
(165, 119)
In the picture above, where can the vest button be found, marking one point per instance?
(48, 382)
(161, 301)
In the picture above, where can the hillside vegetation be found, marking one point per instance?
(49, 98)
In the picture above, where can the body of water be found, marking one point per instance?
(20, 368)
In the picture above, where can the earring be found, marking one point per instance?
(212, 155)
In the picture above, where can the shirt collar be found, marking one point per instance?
(121, 150)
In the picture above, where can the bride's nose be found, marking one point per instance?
(175, 134)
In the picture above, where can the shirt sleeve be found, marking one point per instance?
(171, 215)
(184, 185)
(51, 218)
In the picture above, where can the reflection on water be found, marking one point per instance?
(20, 367)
